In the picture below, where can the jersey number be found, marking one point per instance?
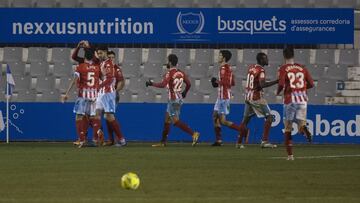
(178, 84)
(250, 81)
(296, 80)
(91, 79)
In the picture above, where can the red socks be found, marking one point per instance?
(267, 126)
(288, 143)
(235, 127)
(116, 128)
(165, 132)
(184, 127)
(96, 125)
(110, 131)
(217, 133)
(80, 129)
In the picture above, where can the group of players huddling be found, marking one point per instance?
(99, 81)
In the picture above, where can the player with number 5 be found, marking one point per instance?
(173, 81)
(294, 79)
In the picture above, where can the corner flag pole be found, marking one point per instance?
(7, 113)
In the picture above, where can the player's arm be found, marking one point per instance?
(281, 82)
(120, 79)
(108, 75)
(71, 85)
(75, 56)
(264, 84)
(187, 86)
(161, 84)
(225, 79)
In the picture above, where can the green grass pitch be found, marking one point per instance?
(59, 172)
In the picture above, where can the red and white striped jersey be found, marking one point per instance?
(118, 75)
(225, 81)
(253, 89)
(173, 81)
(295, 79)
(108, 79)
(88, 76)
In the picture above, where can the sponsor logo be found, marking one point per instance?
(324, 127)
(190, 26)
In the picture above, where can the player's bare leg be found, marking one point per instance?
(217, 129)
(178, 123)
(304, 130)
(288, 139)
(120, 140)
(165, 133)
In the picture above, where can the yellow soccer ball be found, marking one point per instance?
(130, 181)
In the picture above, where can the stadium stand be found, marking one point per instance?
(327, 65)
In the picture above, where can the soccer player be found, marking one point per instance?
(173, 80)
(119, 84)
(85, 45)
(223, 83)
(294, 79)
(106, 101)
(92, 121)
(255, 102)
(86, 76)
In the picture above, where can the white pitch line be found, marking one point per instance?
(320, 157)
